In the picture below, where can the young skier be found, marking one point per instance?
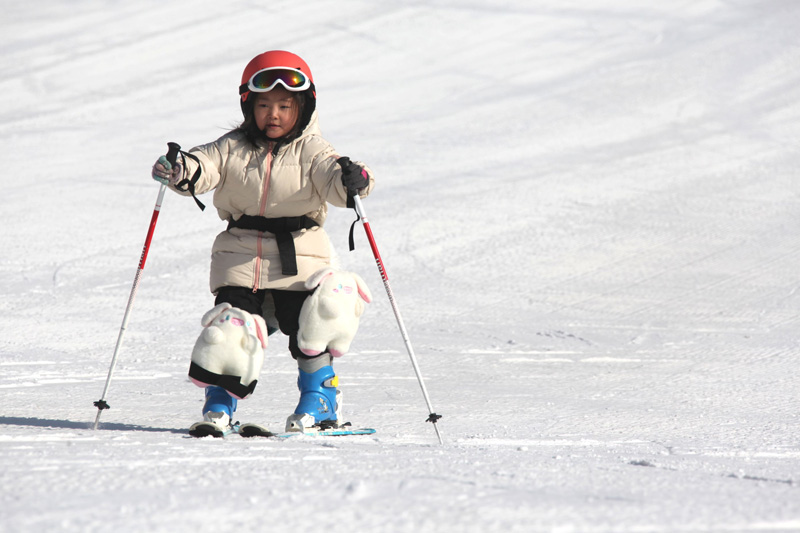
(272, 177)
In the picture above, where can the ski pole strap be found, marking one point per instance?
(188, 184)
(282, 228)
(351, 239)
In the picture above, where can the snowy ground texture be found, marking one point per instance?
(588, 211)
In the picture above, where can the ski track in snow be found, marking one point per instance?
(588, 214)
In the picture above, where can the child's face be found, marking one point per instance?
(275, 112)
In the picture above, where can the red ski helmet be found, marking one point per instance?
(274, 59)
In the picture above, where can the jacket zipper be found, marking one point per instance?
(261, 210)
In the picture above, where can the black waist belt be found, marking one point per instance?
(282, 228)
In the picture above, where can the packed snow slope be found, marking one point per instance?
(588, 212)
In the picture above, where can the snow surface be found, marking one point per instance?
(588, 212)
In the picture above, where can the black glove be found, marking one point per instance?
(354, 178)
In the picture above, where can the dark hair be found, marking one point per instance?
(258, 137)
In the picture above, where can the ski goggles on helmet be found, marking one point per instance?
(265, 80)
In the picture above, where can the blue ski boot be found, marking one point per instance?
(320, 401)
(217, 413)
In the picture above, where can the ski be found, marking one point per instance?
(257, 430)
(207, 429)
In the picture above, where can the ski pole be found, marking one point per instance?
(433, 417)
(101, 404)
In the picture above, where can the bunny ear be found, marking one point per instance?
(363, 290)
(261, 328)
(209, 317)
(316, 278)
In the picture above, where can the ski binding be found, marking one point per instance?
(208, 429)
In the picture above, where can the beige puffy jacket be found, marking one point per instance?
(300, 179)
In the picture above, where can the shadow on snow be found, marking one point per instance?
(68, 424)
